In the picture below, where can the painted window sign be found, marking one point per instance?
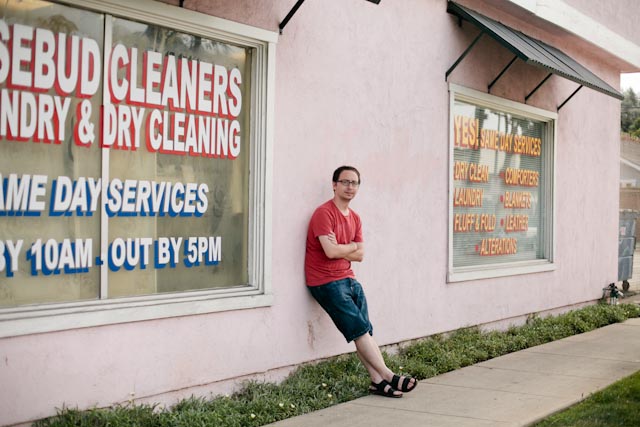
(124, 157)
(498, 181)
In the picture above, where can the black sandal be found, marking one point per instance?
(405, 387)
(383, 388)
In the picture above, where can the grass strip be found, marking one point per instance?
(616, 405)
(315, 386)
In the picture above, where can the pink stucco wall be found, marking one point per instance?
(364, 85)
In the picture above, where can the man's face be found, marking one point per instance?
(347, 185)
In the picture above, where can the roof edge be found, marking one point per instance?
(570, 19)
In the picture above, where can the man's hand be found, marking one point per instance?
(358, 254)
(351, 251)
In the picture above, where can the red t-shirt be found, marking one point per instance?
(318, 268)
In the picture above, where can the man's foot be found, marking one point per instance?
(404, 384)
(383, 388)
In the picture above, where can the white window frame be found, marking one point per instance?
(460, 274)
(40, 318)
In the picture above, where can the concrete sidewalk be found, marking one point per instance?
(513, 390)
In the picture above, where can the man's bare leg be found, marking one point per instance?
(371, 357)
(369, 354)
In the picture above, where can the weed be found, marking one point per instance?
(343, 378)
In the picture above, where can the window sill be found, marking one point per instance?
(59, 317)
(492, 271)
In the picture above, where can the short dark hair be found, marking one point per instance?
(337, 172)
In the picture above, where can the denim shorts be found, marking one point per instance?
(345, 303)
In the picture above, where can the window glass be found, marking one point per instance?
(46, 99)
(131, 161)
(194, 132)
(500, 208)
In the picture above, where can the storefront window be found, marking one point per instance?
(197, 137)
(128, 157)
(42, 87)
(501, 187)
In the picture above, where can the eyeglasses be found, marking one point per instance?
(348, 183)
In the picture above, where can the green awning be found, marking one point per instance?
(532, 51)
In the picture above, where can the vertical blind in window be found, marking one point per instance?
(498, 183)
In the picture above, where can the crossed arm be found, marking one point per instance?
(353, 251)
